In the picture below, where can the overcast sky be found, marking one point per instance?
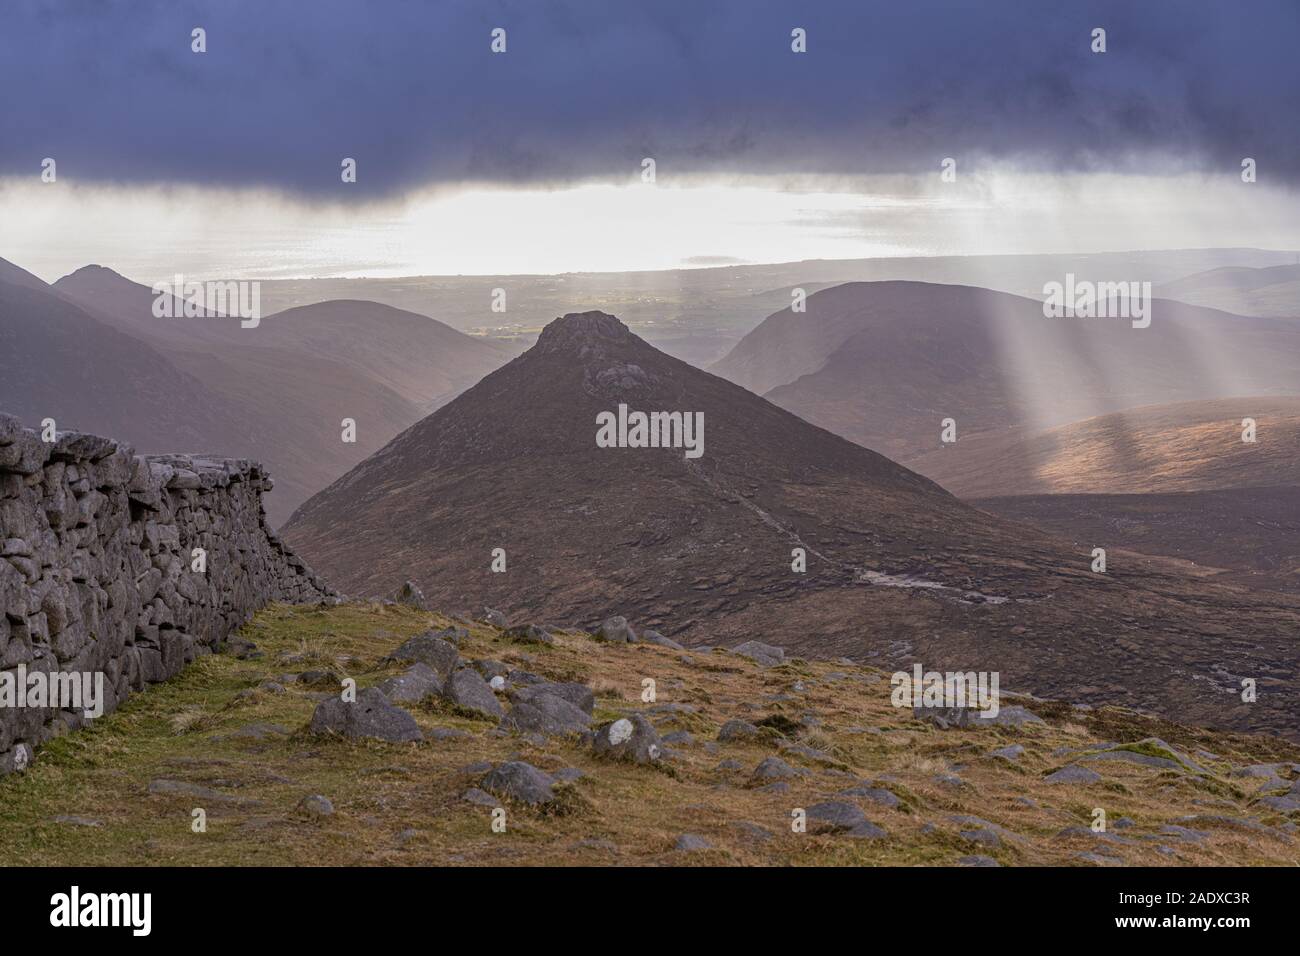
(709, 88)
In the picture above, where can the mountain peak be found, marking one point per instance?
(583, 332)
(94, 271)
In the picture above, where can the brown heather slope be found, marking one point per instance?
(702, 549)
(296, 375)
(1185, 446)
(1244, 536)
(1174, 480)
(883, 363)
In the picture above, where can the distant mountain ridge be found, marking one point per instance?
(1262, 291)
(298, 374)
(58, 361)
(884, 363)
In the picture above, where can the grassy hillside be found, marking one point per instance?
(220, 726)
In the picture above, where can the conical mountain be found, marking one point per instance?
(702, 548)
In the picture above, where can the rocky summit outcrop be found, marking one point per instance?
(118, 569)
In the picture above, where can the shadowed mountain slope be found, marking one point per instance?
(898, 570)
(57, 361)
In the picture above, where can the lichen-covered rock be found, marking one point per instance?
(521, 782)
(1073, 774)
(466, 688)
(412, 685)
(430, 649)
(734, 730)
(654, 637)
(617, 630)
(628, 738)
(370, 715)
(530, 634)
(411, 595)
(948, 717)
(579, 695)
(765, 655)
(547, 715)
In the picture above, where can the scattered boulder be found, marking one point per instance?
(479, 797)
(530, 634)
(1012, 753)
(946, 718)
(413, 685)
(691, 843)
(320, 678)
(72, 819)
(654, 637)
(752, 831)
(431, 650)
(866, 830)
(579, 695)
(1148, 752)
(194, 791)
(773, 768)
(452, 635)
(466, 688)
(494, 617)
(877, 795)
(546, 714)
(764, 655)
(371, 715)
(810, 754)
(411, 595)
(628, 738)
(490, 668)
(835, 815)
(1283, 803)
(521, 782)
(983, 836)
(316, 806)
(259, 731)
(616, 630)
(1073, 774)
(735, 730)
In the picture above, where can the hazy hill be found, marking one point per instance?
(1264, 291)
(299, 373)
(420, 358)
(57, 361)
(1185, 446)
(884, 363)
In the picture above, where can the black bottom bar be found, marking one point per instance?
(340, 906)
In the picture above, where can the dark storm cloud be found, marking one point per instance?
(411, 90)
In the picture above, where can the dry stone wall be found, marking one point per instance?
(97, 569)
